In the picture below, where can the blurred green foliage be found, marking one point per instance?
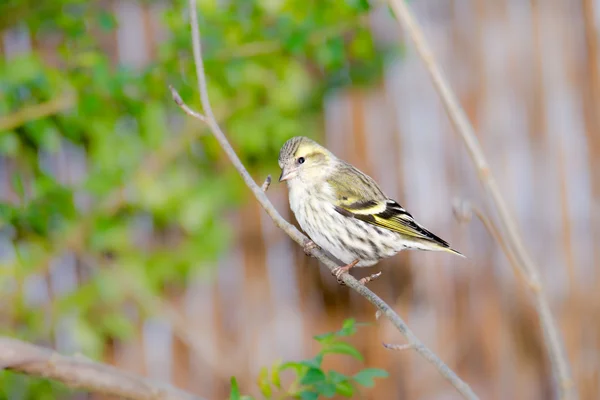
(310, 381)
(269, 65)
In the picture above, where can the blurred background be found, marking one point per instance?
(126, 235)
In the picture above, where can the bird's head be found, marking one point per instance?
(304, 159)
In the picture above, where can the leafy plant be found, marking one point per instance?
(310, 380)
(132, 160)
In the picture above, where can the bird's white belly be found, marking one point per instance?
(345, 238)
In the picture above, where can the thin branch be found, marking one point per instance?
(397, 347)
(294, 233)
(508, 224)
(81, 373)
(184, 107)
(464, 212)
(266, 184)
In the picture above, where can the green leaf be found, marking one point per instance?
(336, 377)
(153, 122)
(106, 21)
(312, 376)
(342, 348)
(9, 143)
(275, 379)
(344, 388)
(235, 391)
(314, 362)
(309, 395)
(263, 382)
(326, 389)
(331, 54)
(359, 5)
(296, 42)
(297, 366)
(117, 325)
(325, 337)
(348, 328)
(365, 377)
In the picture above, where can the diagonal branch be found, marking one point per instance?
(81, 373)
(507, 222)
(291, 230)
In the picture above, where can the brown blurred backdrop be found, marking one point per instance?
(527, 74)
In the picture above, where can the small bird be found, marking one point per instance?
(345, 212)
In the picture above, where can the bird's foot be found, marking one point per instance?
(369, 278)
(339, 271)
(308, 246)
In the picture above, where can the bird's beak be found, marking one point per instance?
(286, 174)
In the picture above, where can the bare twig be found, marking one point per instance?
(294, 233)
(507, 222)
(465, 211)
(266, 184)
(80, 373)
(397, 347)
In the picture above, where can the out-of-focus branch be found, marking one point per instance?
(37, 111)
(80, 373)
(507, 222)
(291, 230)
(464, 212)
(271, 46)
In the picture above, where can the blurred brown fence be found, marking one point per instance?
(527, 73)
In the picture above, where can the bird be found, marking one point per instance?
(345, 212)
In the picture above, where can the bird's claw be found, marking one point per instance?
(339, 271)
(370, 278)
(308, 246)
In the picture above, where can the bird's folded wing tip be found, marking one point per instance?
(456, 252)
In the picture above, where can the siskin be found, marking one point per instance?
(345, 212)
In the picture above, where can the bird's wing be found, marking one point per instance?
(358, 196)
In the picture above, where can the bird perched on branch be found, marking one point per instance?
(345, 212)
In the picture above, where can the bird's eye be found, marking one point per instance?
(301, 160)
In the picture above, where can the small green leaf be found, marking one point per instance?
(106, 21)
(343, 348)
(324, 338)
(9, 143)
(275, 379)
(296, 41)
(349, 328)
(117, 325)
(263, 382)
(336, 377)
(295, 365)
(326, 389)
(313, 362)
(344, 388)
(312, 376)
(359, 5)
(235, 390)
(365, 377)
(309, 395)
